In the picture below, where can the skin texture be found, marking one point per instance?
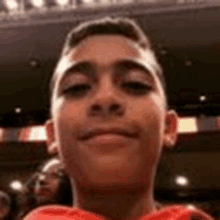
(47, 183)
(114, 86)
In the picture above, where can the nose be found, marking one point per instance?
(106, 109)
(106, 101)
(41, 179)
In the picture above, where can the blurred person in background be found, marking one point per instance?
(52, 185)
(49, 185)
(8, 205)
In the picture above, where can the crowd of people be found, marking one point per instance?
(50, 184)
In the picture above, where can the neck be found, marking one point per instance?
(117, 203)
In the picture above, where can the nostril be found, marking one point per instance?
(96, 108)
(114, 108)
(106, 110)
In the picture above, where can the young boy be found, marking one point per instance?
(109, 122)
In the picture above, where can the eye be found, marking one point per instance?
(54, 175)
(136, 88)
(77, 90)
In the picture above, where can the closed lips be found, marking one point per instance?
(97, 132)
(43, 191)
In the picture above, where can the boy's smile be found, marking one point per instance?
(106, 139)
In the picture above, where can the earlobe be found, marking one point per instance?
(171, 129)
(169, 142)
(52, 148)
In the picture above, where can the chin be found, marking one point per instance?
(44, 201)
(113, 178)
(113, 185)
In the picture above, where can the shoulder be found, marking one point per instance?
(191, 214)
(57, 212)
(47, 212)
(178, 213)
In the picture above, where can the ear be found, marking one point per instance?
(171, 129)
(52, 146)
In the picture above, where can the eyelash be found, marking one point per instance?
(136, 87)
(77, 90)
(132, 87)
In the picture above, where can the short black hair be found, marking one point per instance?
(108, 26)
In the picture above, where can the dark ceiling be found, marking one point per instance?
(186, 37)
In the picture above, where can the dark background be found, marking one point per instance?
(186, 36)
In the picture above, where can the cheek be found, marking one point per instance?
(149, 113)
(150, 117)
(68, 119)
(65, 110)
(54, 186)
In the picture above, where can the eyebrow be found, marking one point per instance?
(83, 67)
(120, 67)
(130, 64)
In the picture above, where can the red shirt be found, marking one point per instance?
(56, 212)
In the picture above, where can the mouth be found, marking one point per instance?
(43, 192)
(108, 134)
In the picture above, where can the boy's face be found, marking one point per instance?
(109, 117)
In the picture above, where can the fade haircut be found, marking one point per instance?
(109, 26)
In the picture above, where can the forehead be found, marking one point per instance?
(105, 50)
(52, 166)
